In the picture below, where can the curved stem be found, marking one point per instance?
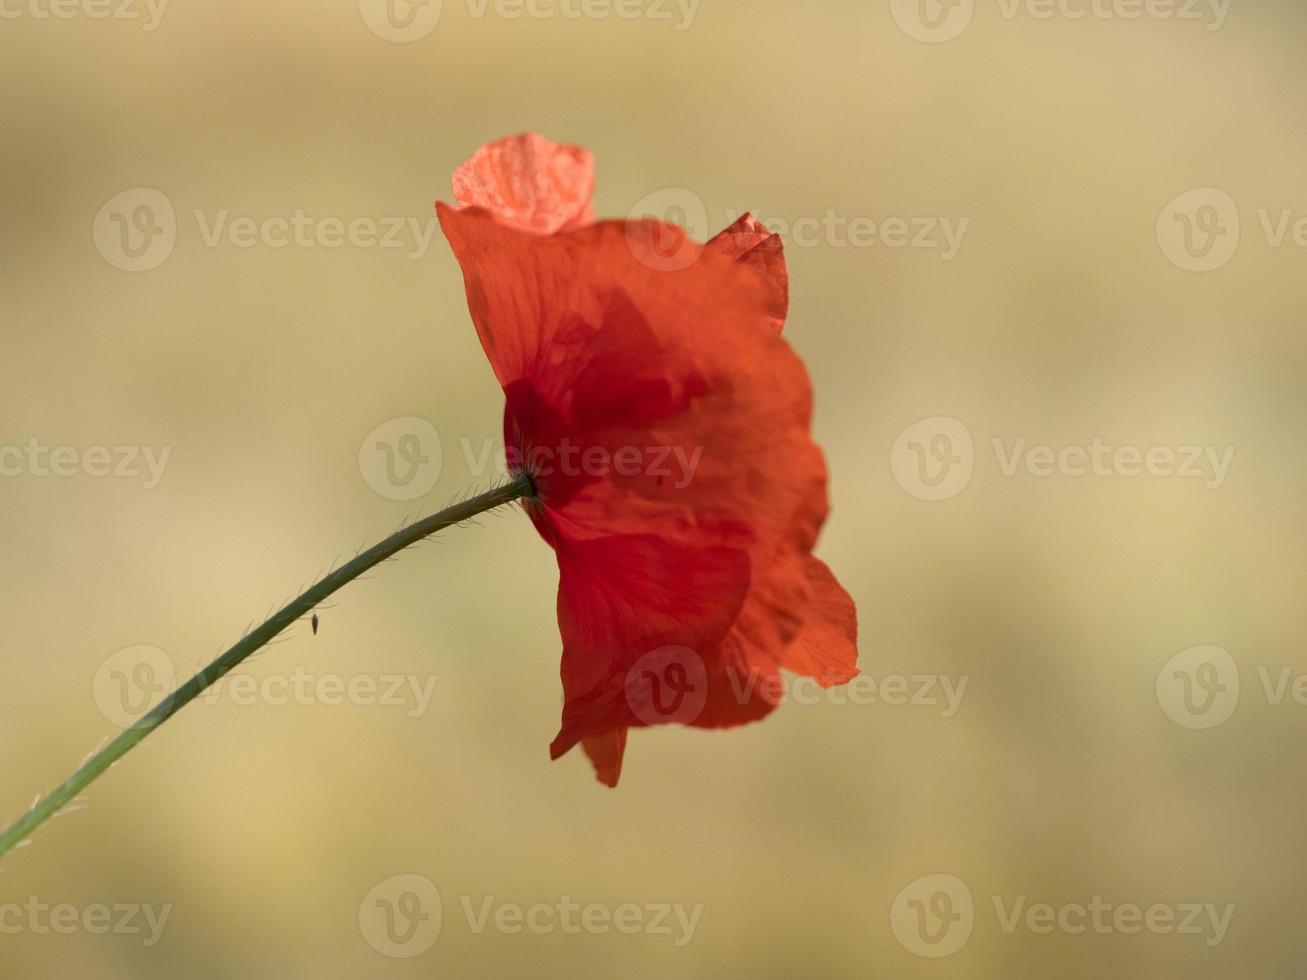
(49, 805)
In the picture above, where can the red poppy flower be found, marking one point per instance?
(665, 426)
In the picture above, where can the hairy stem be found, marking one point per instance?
(49, 805)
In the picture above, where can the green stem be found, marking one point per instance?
(51, 804)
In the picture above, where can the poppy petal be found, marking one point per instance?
(539, 302)
(752, 243)
(529, 182)
(739, 693)
(606, 752)
(623, 599)
(826, 649)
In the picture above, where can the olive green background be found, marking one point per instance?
(1062, 319)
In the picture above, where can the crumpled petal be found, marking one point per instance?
(530, 183)
(826, 648)
(752, 243)
(606, 752)
(619, 599)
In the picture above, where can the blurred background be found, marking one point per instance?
(1048, 277)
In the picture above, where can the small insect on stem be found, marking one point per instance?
(314, 621)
